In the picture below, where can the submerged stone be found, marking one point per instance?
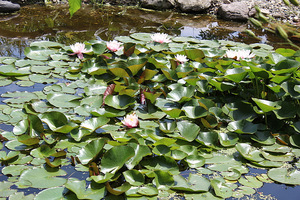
(237, 11)
(193, 5)
(8, 7)
(157, 4)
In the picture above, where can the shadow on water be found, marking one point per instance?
(37, 22)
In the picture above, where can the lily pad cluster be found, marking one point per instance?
(202, 123)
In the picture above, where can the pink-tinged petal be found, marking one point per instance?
(80, 55)
(131, 120)
(113, 45)
(79, 48)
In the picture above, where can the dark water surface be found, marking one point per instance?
(36, 22)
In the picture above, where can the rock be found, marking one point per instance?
(237, 11)
(252, 12)
(8, 7)
(193, 5)
(157, 4)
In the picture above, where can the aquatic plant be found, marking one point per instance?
(201, 124)
(290, 33)
(78, 49)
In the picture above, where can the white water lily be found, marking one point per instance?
(160, 38)
(181, 58)
(131, 120)
(113, 45)
(239, 54)
(79, 49)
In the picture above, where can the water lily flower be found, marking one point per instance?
(160, 38)
(114, 45)
(131, 120)
(79, 49)
(181, 58)
(239, 54)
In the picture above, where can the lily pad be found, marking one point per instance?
(285, 175)
(90, 151)
(41, 178)
(115, 158)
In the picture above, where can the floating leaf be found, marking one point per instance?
(147, 190)
(188, 130)
(95, 191)
(94, 123)
(119, 101)
(140, 152)
(249, 152)
(58, 122)
(195, 183)
(163, 179)
(265, 105)
(161, 163)
(52, 193)
(228, 139)
(242, 126)
(90, 151)
(134, 177)
(235, 74)
(115, 158)
(221, 189)
(195, 161)
(118, 190)
(250, 181)
(63, 100)
(41, 178)
(285, 175)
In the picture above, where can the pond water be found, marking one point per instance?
(37, 22)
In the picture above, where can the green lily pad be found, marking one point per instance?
(5, 190)
(228, 139)
(265, 105)
(263, 137)
(94, 123)
(242, 126)
(250, 181)
(140, 152)
(161, 163)
(41, 178)
(90, 151)
(180, 93)
(285, 175)
(221, 189)
(193, 109)
(11, 70)
(147, 190)
(53, 193)
(115, 158)
(248, 152)
(119, 102)
(188, 130)
(194, 183)
(235, 74)
(95, 191)
(134, 177)
(195, 161)
(58, 122)
(209, 139)
(163, 179)
(63, 100)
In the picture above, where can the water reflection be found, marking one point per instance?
(36, 22)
